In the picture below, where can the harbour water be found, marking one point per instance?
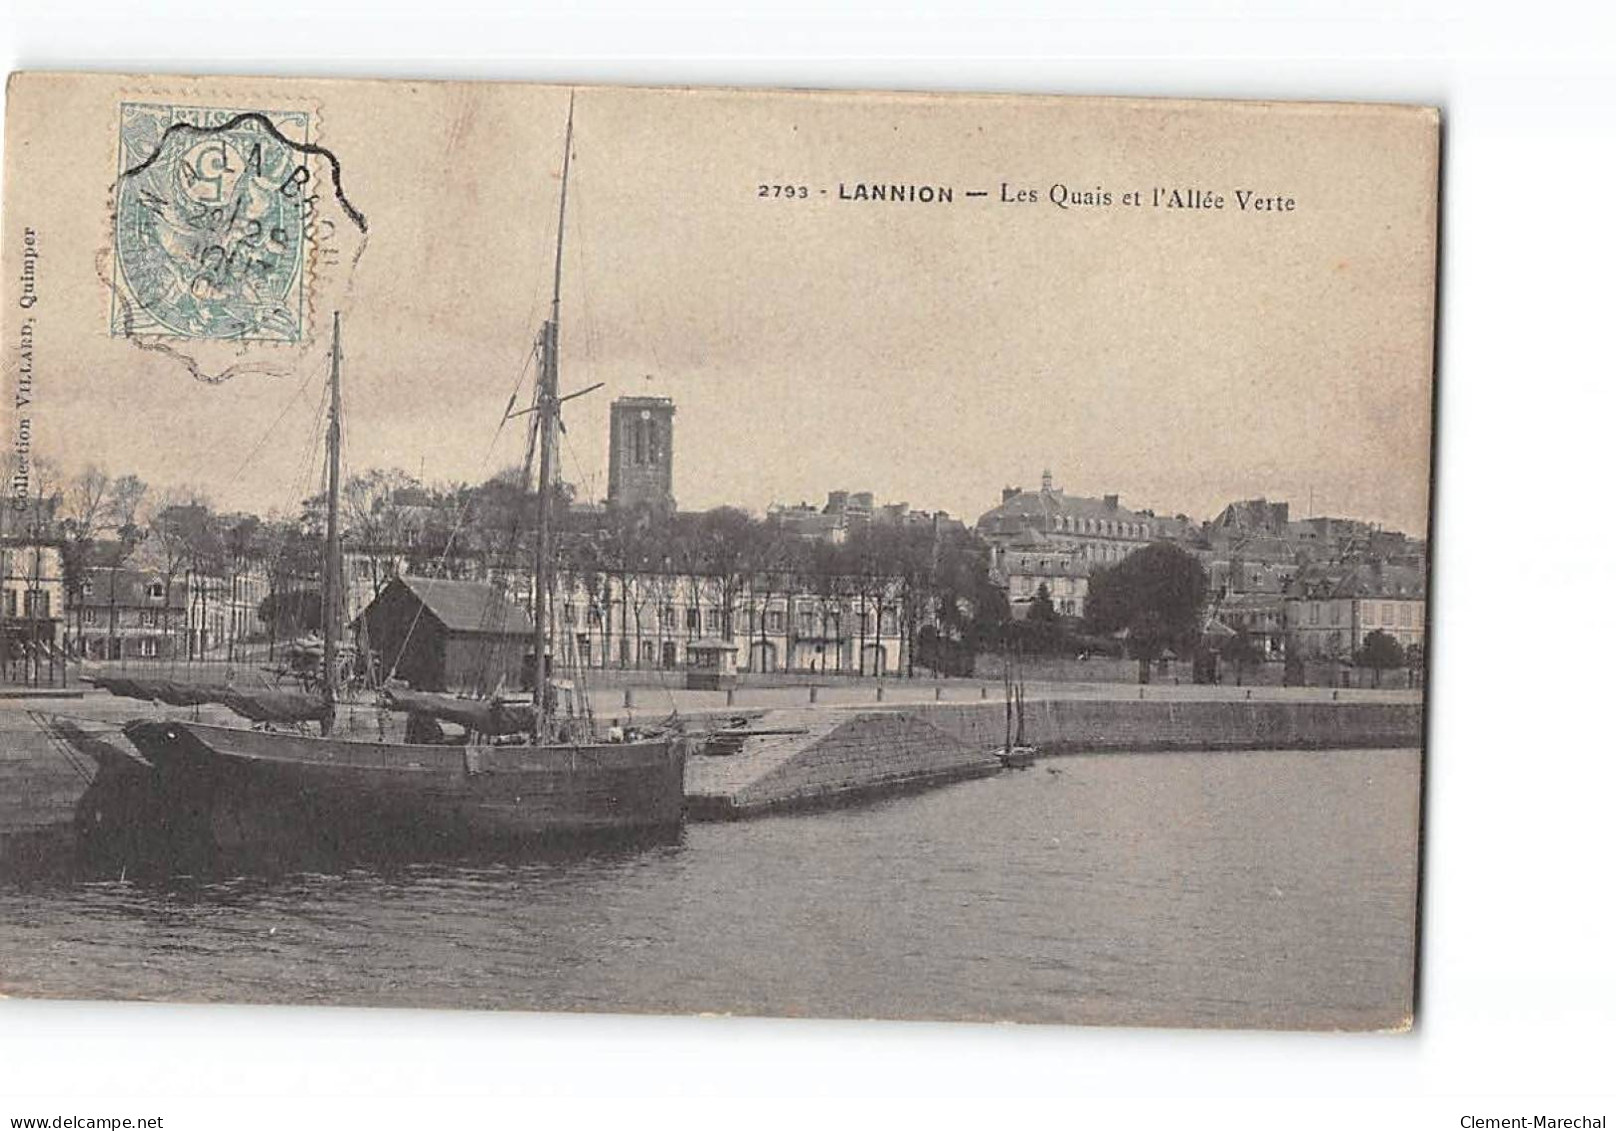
(1265, 888)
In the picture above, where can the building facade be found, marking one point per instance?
(222, 612)
(32, 589)
(1056, 540)
(1259, 617)
(126, 613)
(840, 626)
(1330, 610)
(1022, 569)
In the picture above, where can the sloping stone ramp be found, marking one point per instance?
(839, 757)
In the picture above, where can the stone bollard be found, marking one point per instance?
(813, 694)
(939, 693)
(628, 697)
(729, 697)
(984, 693)
(880, 693)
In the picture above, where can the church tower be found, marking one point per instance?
(641, 457)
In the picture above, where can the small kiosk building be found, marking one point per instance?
(711, 666)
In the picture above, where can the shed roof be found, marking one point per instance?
(467, 606)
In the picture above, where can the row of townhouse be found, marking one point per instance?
(650, 620)
(130, 612)
(1328, 611)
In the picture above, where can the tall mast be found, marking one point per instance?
(548, 403)
(332, 577)
(531, 451)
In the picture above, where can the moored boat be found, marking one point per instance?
(242, 789)
(518, 773)
(1017, 757)
(1015, 754)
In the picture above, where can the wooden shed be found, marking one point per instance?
(441, 635)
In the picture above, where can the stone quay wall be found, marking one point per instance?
(848, 756)
(1073, 726)
(867, 754)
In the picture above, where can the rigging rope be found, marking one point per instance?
(454, 532)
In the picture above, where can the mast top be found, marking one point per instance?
(561, 215)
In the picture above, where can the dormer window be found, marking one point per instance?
(154, 590)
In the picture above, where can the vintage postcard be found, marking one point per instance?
(868, 555)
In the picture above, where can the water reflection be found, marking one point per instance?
(1272, 888)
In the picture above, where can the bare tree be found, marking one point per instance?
(180, 537)
(375, 518)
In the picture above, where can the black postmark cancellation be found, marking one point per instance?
(227, 222)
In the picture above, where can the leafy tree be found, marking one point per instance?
(295, 557)
(1042, 609)
(293, 612)
(964, 591)
(1380, 652)
(1242, 651)
(1156, 595)
(1041, 633)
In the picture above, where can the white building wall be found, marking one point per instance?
(650, 620)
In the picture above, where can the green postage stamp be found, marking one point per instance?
(210, 232)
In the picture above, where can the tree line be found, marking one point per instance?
(935, 580)
(397, 523)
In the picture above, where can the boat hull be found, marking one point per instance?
(242, 789)
(1017, 757)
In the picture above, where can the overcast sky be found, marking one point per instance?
(927, 353)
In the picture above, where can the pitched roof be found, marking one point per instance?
(135, 589)
(1253, 516)
(1360, 579)
(468, 606)
(1373, 579)
(1015, 512)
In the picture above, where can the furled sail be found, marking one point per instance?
(261, 706)
(485, 716)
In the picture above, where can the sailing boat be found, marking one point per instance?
(1015, 754)
(243, 788)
